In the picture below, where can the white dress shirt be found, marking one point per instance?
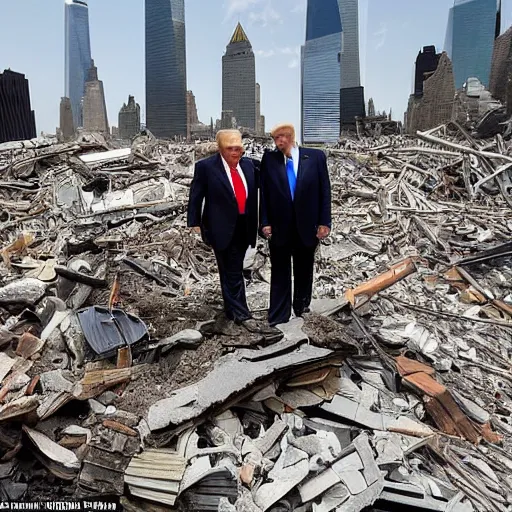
(294, 153)
(228, 172)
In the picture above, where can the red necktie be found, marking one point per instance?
(238, 185)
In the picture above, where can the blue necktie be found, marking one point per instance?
(292, 179)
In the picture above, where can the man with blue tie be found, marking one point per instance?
(295, 213)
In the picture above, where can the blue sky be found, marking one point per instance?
(392, 32)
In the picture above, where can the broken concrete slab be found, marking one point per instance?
(352, 411)
(60, 461)
(6, 364)
(332, 499)
(24, 292)
(290, 470)
(236, 374)
(55, 381)
(188, 338)
(328, 307)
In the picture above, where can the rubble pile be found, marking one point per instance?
(119, 376)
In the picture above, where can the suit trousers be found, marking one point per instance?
(281, 279)
(230, 262)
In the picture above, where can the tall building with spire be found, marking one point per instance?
(166, 73)
(77, 55)
(473, 25)
(239, 80)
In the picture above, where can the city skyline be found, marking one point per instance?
(117, 34)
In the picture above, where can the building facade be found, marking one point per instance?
(239, 80)
(501, 68)
(426, 63)
(17, 119)
(66, 127)
(352, 102)
(77, 55)
(321, 72)
(473, 25)
(129, 119)
(166, 73)
(94, 105)
(435, 106)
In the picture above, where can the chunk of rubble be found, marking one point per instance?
(62, 462)
(236, 375)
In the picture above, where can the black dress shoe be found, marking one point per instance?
(258, 328)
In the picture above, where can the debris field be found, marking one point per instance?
(119, 375)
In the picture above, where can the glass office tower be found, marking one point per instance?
(320, 69)
(473, 25)
(78, 55)
(332, 95)
(166, 75)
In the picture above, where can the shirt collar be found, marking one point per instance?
(226, 166)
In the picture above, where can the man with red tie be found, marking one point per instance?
(226, 182)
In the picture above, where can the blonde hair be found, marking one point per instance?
(227, 138)
(283, 126)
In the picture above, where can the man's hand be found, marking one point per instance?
(267, 232)
(196, 230)
(322, 232)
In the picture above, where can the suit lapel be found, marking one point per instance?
(303, 167)
(221, 172)
(249, 176)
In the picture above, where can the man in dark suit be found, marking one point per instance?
(226, 183)
(295, 213)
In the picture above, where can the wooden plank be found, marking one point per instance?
(408, 366)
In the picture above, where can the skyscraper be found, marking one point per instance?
(239, 79)
(426, 63)
(66, 127)
(321, 73)
(501, 69)
(166, 74)
(331, 85)
(17, 121)
(78, 55)
(351, 93)
(129, 119)
(473, 25)
(94, 106)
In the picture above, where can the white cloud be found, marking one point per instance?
(234, 7)
(381, 35)
(293, 63)
(300, 6)
(287, 50)
(265, 15)
(265, 53)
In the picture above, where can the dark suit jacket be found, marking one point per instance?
(220, 213)
(312, 204)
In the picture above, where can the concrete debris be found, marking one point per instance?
(121, 377)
